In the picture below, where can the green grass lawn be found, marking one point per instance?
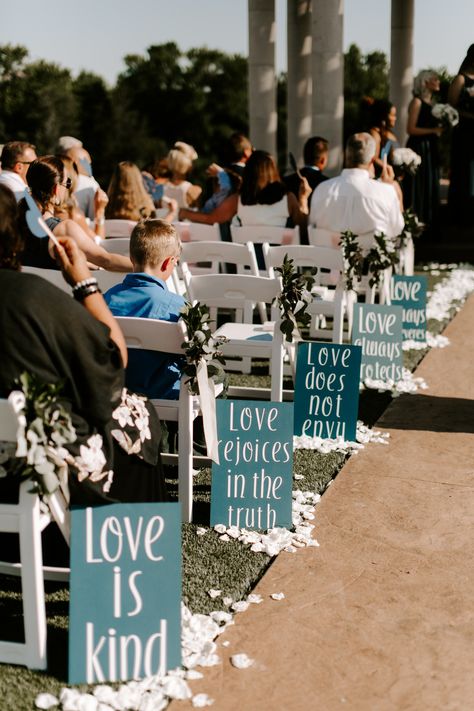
(207, 562)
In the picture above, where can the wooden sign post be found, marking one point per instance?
(251, 487)
(125, 592)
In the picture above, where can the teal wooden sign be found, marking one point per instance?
(409, 292)
(251, 487)
(125, 592)
(378, 330)
(327, 390)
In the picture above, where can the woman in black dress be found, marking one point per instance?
(461, 187)
(421, 191)
(77, 345)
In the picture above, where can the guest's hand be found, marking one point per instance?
(213, 170)
(72, 261)
(438, 131)
(388, 174)
(304, 189)
(100, 200)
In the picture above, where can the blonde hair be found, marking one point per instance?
(181, 157)
(128, 199)
(152, 241)
(419, 83)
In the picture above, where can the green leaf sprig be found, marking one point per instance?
(294, 298)
(353, 258)
(202, 345)
(380, 257)
(412, 227)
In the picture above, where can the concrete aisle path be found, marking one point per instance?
(381, 616)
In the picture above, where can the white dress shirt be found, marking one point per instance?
(14, 182)
(354, 201)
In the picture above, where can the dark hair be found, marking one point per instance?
(261, 182)
(158, 168)
(11, 242)
(468, 61)
(13, 152)
(379, 112)
(314, 148)
(43, 174)
(236, 147)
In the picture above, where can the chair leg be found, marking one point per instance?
(338, 323)
(276, 365)
(32, 581)
(185, 455)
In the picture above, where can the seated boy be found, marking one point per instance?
(154, 250)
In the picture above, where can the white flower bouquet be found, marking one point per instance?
(445, 114)
(406, 160)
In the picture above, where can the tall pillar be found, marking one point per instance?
(401, 61)
(262, 79)
(299, 75)
(328, 77)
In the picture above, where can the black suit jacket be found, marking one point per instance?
(314, 177)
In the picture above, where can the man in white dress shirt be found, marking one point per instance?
(354, 200)
(16, 159)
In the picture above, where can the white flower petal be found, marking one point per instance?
(241, 661)
(46, 701)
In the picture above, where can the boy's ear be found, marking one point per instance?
(165, 263)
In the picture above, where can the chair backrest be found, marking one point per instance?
(119, 228)
(218, 253)
(106, 280)
(8, 422)
(153, 334)
(257, 234)
(54, 276)
(117, 245)
(233, 291)
(320, 237)
(303, 256)
(196, 232)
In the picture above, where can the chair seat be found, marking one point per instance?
(247, 339)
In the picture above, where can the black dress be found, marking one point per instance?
(421, 191)
(48, 334)
(461, 186)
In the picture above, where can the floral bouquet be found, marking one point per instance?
(445, 114)
(406, 160)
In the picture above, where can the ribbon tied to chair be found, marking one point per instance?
(207, 400)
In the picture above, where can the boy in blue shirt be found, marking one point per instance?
(155, 248)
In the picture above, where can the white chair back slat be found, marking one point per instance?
(119, 228)
(54, 276)
(264, 233)
(117, 245)
(197, 232)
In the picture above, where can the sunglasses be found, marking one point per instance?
(67, 184)
(25, 162)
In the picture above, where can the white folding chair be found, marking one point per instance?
(406, 265)
(246, 339)
(117, 245)
(197, 232)
(54, 276)
(327, 302)
(264, 233)
(168, 337)
(27, 520)
(119, 228)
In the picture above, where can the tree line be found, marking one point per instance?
(164, 95)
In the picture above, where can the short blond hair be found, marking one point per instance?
(152, 241)
(181, 157)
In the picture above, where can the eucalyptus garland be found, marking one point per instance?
(353, 258)
(201, 345)
(412, 227)
(380, 257)
(294, 298)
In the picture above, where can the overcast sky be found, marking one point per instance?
(97, 34)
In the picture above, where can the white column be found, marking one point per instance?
(262, 80)
(328, 77)
(401, 62)
(299, 75)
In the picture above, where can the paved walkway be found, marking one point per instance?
(381, 616)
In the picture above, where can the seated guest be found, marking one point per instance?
(154, 176)
(222, 204)
(180, 161)
(154, 250)
(315, 155)
(76, 345)
(87, 186)
(354, 200)
(264, 198)
(48, 185)
(69, 207)
(237, 152)
(16, 158)
(128, 198)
